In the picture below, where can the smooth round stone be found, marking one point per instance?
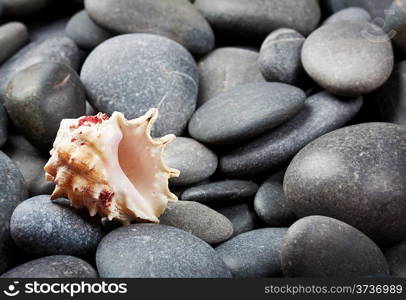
(352, 174)
(395, 24)
(351, 14)
(86, 34)
(319, 246)
(42, 227)
(226, 68)
(198, 219)
(258, 17)
(270, 202)
(38, 98)
(322, 113)
(226, 192)
(396, 258)
(165, 78)
(22, 8)
(245, 112)
(56, 266)
(242, 216)
(3, 125)
(377, 9)
(13, 36)
(157, 251)
(12, 192)
(254, 254)
(57, 50)
(279, 57)
(176, 19)
(30, 162)
(348, 59)
(194, 161)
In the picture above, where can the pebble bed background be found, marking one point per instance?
(290, 116)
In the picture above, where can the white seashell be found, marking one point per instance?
(112, 166)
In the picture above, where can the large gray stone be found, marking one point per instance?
(354, 174)
(245, 112)
(396, 258)
(157, 251)
(319, 246)
(13, 36)
(322, 113)
(165, 77)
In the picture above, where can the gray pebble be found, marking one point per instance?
(254, 254)
(3, 125)
(157, 251)
(56, 266)
(242, 216)
(351, 14)
(319, 246)
(13, 36)
(199, 220)
(245, 112)
(396, 258)
(279, 57)
(194, 161)
(322, 113)
(165, 78)
(354, 174)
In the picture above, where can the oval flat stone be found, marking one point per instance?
(322, 113)
(165, 78)
(199, 220)
(86, 34)
(348, 58)
(245, 112)
(226, 68)
(12, 192)
(194, 161)
(279, 57)
(56, 266)
(176, 19)
(3, 125)
(157, 251)
(13, 36)
(40, 226)
(319, 246)
(351, 14)
(258, 17)
(254, 254)
(242, 216)
(352, 174)
(396, 258)
(57, 50)
(270, 202)
(39, 97)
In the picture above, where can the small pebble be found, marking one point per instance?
(242, 216)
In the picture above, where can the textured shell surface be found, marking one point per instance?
(112, 166)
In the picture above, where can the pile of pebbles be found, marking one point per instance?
(290, 117)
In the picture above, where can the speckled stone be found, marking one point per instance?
(254, 254)
(375, 8)
(319, 246)
(38, 98)
(270, 202)
(22, 8)
(166, 78)
(86, 34)
(351, 14)
(12, 192)
(348, 59)
(242, 216)
(279, 57)
(245, 112)
(322, 113)
(56, 266)
(42, 227)
(226, 68)
(157, 251)
(225, 192)
(194, 161)
(3, 125)
(396, 258)
(176, 19)
(395, 24)
(258, 17)
(199, 220)
(354, 174)
(13, 36)
(30, 161)
(57, 50)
